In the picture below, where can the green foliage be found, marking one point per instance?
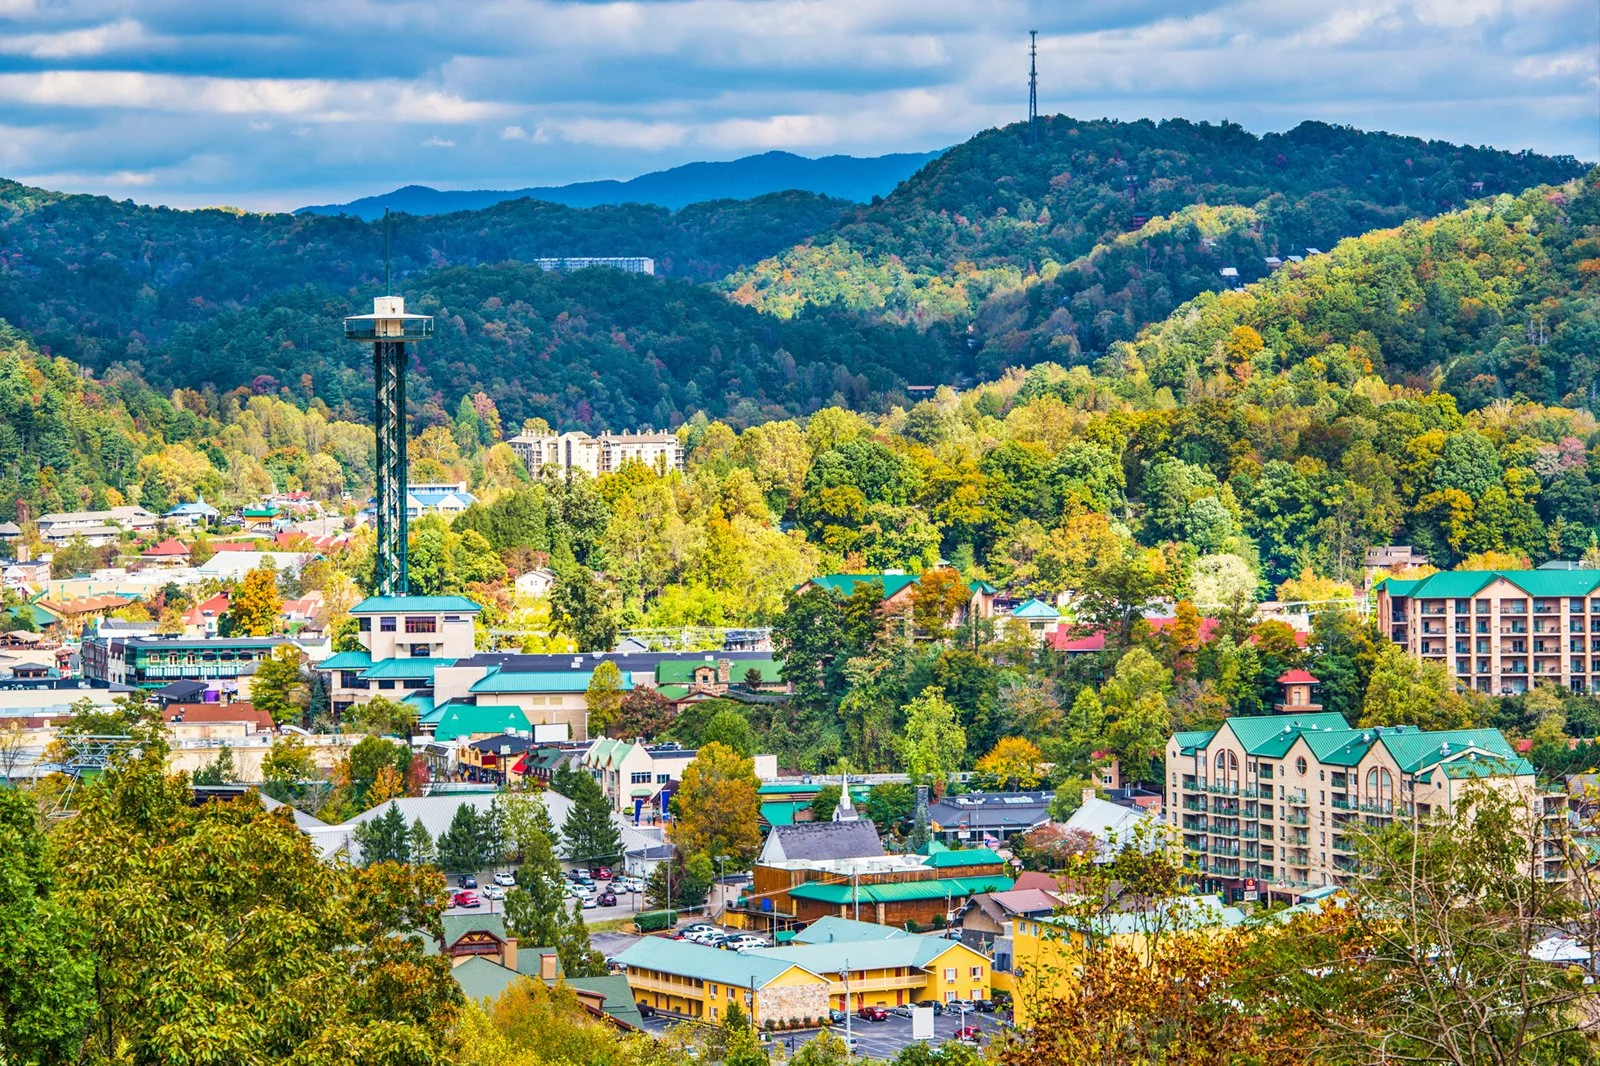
(655, 921)
(385, 838)
(472, 841)
(537, 910)
(590, 832)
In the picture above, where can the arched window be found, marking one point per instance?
(1380, 786)
(1300, 766)
(1227, 768)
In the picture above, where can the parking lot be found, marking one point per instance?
(875, 1040)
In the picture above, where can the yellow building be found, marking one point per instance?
(1047, 953)
(691, 981)
(892, 972)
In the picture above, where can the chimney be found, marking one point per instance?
(1088, 794)
(547, 966)
(724, 671)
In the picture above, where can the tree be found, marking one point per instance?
(381, 716)
(220, 771)
(280, 684)
(47, 972)
(1111, 578)
(538, 910)
(646, 713)
(731, 729)
(934, 744)
(889, 806)
(1014, 764)
(256, 604)
(1069, 797)
(280, 957)
(421, 844)
(288, 762)
(940, 595)
(825, 802)
(1407, 691)
(461, 847)
(603, 698)
(385, 838)
(590, 829)
(581, 608)
(717, 808)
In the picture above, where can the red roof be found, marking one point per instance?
(1032, 879)
(234, 545)
(1298, 677)
(167, 548)
(1062, 639)
(213, 713)
(212, 608)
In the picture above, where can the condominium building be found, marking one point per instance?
(628, 264)
(1266, 806)
(1500, 631)
(560, 454)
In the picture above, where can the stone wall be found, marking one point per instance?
(792, 1002)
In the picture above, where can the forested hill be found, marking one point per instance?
(1058, 250)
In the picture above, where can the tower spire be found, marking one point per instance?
(1033, 87)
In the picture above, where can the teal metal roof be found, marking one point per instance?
(883, 953)
(415, 605)
(845, 584)
(1192, 741)
(835, 930)
(954, 858)
(1272, 735)
(1462, 584)
(1417, 750)
(347, 660)
(1035, 610)
(783, 811)
(482, 978)
(516, 681)
(422, 702)
(456, 926)
(404, 669)
(465, 720)
(683, 959)
(1473, 766)
(905, 890)
(618, 996)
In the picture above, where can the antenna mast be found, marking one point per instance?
(388, 287)
(1033, 87)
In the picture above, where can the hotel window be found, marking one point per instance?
(950, 973)
(424, 624)
(421, 651)
(1481, 607)
(977, 973)
(642, 778)
(663, 779)
(364, 625)
(386, 624)
(1461, 606)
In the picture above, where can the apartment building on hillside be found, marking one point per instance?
(1267, 806)
(560, 454)
(1500, 631)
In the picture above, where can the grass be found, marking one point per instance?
(611, 925)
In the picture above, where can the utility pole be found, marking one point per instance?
(1033, 88)
(849, 1040)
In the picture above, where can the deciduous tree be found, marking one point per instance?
(717, 808)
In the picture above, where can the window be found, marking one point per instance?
(386, 685)
(977, 973)
(950, 975)
(425, 624)
(386, 625)
(663, 779)
(364, 625)
(642, 778)
(1481, 607)
(1300, 765)
(421, 651)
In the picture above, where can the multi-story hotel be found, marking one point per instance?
(561, 454)
(1267, 805)
(1500, 631)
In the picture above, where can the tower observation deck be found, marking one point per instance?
(388, 329)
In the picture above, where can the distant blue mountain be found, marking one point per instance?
(844, 176)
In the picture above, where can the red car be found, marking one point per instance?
(872, 1014)
(466, 899)
(601, 873)
(970, 1032)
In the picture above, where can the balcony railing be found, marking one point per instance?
(1297, 819)
(1223, 789)
(1225, 829)
(1297, 796)
(1340, 803)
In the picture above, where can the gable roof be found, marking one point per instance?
(824, 840)
(1414, 751)
(483, 978)
(415, 605)
(1034, 609)
(883, 953)
(404, 669)
(684, 959)
(839, 893)
(168, 548)
(845, 584)
(953, 858)
(1462, 584)
(835, 930)
(1273, 734)
(347, 660)
(1298, 677)
(457, 926)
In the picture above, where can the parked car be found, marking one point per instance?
(465, 898)
(901, 1011)
(628, 884)
(835, 1016)
(959, 1005)
(709, 937)
(506, 880)
(698, 927)
(745, 941)
(608, 898)
(589, 902)
(601, 873)
(938, 1008)
(494, 892)
(576, 875)
(466, 881)
(969, 1034)
(984, 1005)
(872, 1014)
(852, 1044)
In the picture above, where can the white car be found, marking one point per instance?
(702, 936)
(494, 892)
(627, 884)
(746, 942)
(506, 880)
(589, 902)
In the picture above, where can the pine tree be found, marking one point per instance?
(460, 847)
(384, 838)
(220, 771)
(537, 910)
(420, 843)
(590, 832)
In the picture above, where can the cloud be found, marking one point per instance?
(617, 87)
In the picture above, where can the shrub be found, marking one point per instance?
(912, 926)
(655, 921)
(938, 921)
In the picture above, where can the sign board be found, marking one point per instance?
(550, 734)
(922, 1023)
(1250, 896)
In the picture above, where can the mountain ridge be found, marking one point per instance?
(855, 178)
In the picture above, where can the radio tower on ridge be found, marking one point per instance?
(1033, 87)
(388, 329)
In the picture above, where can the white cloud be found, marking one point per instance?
(623, 133)
(513, 133)
(123, 36)
(438, 142)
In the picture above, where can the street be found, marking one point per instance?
(877, 1040)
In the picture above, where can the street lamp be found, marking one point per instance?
(849, 1039)
(722, 887)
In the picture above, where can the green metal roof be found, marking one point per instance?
(683, 959)
(905, 890)
(457, 926)
(423, 703)
(515, 681)
(415, 605)
(1415, 751)
(836, 930)
(681, 671)
(1272, 735)
(1486, 766)
(783, 811)
(347, 660)
(845, 584)
(404, 669)
(673, 692)
(483, 978)
(884, 953)
(1192, 741)
(618, 996)
(952, 858)
(1463, 584)
(465, 720)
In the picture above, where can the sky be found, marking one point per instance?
(273, 104)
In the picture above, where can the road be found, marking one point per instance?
(876, 1040)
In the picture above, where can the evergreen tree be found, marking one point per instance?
(460, 848)
(385, 838)
(537, 910)
(590, 831)
(219, 771)
(420, 843)
(566, 779)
